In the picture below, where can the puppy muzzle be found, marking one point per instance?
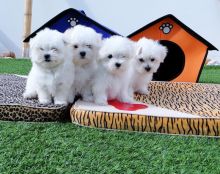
(147, 68)
(117, 65)
(82, 54)
(47, 58)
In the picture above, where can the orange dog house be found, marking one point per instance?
(187, 50)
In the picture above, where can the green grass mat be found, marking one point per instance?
(66, 148)
(15, 66)
(210, 74)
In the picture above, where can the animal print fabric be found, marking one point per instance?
(198, 99)
(194, 98)
(146, 123)
(14, 107)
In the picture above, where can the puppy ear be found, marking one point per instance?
(101, 51)
(65, 42)
(133, 49)
(67, 36)
(99, 40)
(163, 53)
(64, 38)
(32, 42)
(67, 31)
(139, 51)
(46, 29)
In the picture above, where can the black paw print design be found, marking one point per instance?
(73, 21)
(166, 28)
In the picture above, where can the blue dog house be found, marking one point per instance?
(71, 17)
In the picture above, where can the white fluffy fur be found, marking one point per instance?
(149, 55)
(112, 82)
(52, 77)
(84, 40)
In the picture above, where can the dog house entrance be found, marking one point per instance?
(173, 64)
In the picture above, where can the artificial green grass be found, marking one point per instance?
(210, 74)
(12, 66)
(66, 148)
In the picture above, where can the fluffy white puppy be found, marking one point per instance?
(85, 43)
(149, 55)
(113, 74)
(52, 72)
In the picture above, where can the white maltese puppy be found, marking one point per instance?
(113, 74)
(149, 55)
(52, 72)
(85, 43)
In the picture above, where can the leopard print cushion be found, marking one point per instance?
(14, 107)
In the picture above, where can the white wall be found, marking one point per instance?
(11, 17)
(123, 16)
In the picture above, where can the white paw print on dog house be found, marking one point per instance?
(73, 22)
(166, 28)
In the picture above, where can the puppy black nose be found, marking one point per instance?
(47, 57)
(117, 65)
(82, 53)
(147, 68)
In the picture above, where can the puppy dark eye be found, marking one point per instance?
(109, 56)
(152, 59)
(89, 46)
(41, 49)
(75, 46)
(141, 60)
(54, 49)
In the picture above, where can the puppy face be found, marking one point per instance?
(149, 55)
(85, 43)
(115, 54)
(47, 48)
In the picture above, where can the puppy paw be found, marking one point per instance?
(143, 91)
(71, 98)
(88, 98)
(101, 102)
(59, 102)
(45, 101)
(27, 95)
(127, 99)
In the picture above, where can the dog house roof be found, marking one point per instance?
(190, 31)
(58, 24)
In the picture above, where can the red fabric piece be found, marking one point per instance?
(126, 106)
